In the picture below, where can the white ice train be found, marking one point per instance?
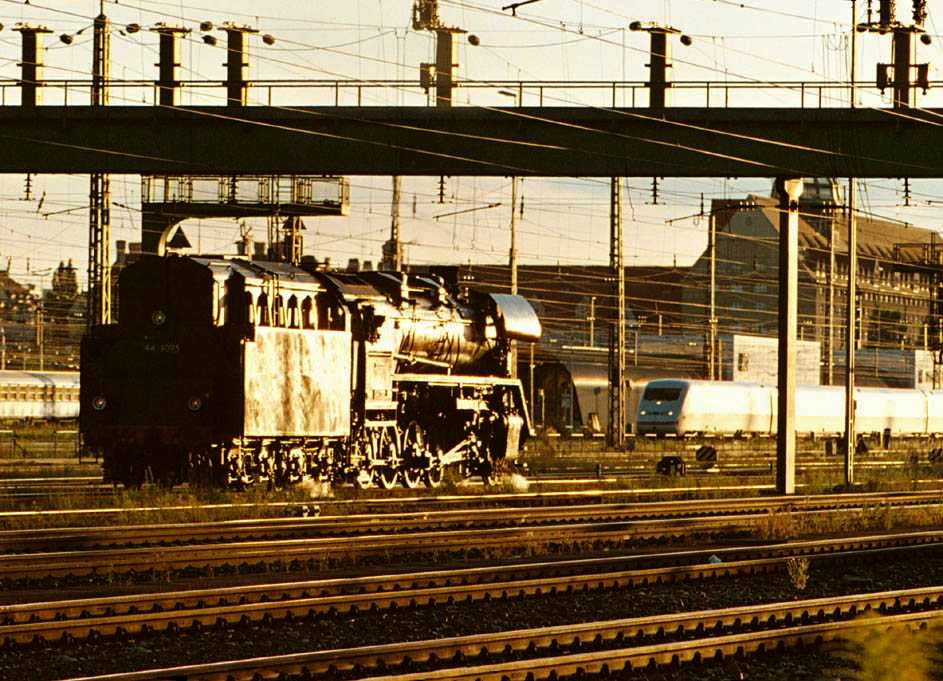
(39, 395)
(687, 408)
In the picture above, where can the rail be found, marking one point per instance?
(321, 552)
(590, 648)
(84, 618)
(351, 525)
(489, 93)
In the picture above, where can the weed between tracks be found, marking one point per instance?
(784, 525)
(798, 569)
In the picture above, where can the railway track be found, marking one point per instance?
(196, 609)
(325, 551)
(429, 520)
(594, 647)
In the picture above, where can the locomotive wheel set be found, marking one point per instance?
(229, 372)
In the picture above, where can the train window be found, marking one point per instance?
(293, 321)
(330, 313)
(250, 309)
(323, 312)
(219, 304)
(307, 318)
(656, 393)
(278, 312)
(221, 309)
(336, 314)
(262, 310)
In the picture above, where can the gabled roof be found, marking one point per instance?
(879, 239)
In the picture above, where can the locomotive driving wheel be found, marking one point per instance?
(415, 456)
(411, 477)
(385, 477)
(432, 476)
(384, 450)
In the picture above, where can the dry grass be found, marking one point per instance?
(798, 569)
(877, 654)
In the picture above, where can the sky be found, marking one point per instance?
(43, 219)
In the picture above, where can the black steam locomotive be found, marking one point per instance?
(228, 371)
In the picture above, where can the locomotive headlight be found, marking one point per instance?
(99, 403)
(195, 403)
(158, 317)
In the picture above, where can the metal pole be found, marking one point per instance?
(395, 245)
(830, 337)
(789, 190)
(658, 76)
(99, 222)
(902, 40)
(40, 337)
(531, 368)
(851, 311)
(31, 63)
(444, 66)
(854, 50)
(237, 61)
(617, 360)
(512, 257)
(850, 340)
(832, 261)
(513, 251)
(167, 83)
(712, 318)
(392, 251)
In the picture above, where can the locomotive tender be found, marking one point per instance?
(687, 407)
(229, 371)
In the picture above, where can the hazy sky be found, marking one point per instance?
(564, 220)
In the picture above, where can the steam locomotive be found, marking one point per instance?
(227, 371)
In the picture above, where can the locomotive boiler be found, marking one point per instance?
(232, 371)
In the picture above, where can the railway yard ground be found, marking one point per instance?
(583, 563)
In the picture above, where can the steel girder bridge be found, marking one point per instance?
(521, 141)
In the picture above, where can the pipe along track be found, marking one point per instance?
(562, 651)
(196, 609)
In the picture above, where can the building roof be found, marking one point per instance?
(879, 239)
